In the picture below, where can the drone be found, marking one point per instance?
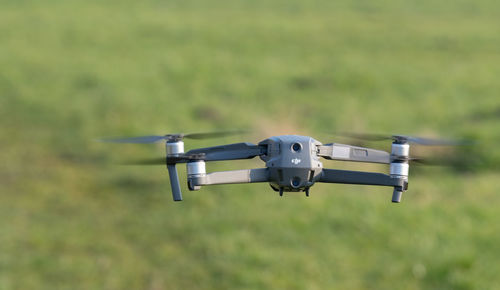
(292, 162)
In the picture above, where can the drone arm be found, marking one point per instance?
(229, 152)
(358, 177)
(400, 183)
(352, 153)
(231, 177)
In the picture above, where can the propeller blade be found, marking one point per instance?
(135, 140)
(409, 139)
(209, 135)
(180, 136)
(229, 152)
(427, 161)
(449, 161)
(435, 142)
(150, 161)
(366, 137)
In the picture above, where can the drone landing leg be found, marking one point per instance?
(281, 191)
(174, 182)
(396, 195)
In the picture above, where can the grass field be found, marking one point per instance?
(74, 71)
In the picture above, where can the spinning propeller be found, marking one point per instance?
(407, 139)
(171, 137)
(443, 159)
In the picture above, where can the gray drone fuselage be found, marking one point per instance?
(293, 162)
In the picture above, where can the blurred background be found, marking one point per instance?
(74, 71)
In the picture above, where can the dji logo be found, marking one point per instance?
(296, 161)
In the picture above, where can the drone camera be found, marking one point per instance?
(295, 181)
(296, 147)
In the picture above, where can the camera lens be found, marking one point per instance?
(296, 147)
(295, 181)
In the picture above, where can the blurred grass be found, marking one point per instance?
(73, 71)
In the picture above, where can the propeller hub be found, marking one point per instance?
(174, 137)
(398, 139)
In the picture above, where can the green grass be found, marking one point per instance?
(73, 71)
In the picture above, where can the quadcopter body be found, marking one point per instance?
(293, 163)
